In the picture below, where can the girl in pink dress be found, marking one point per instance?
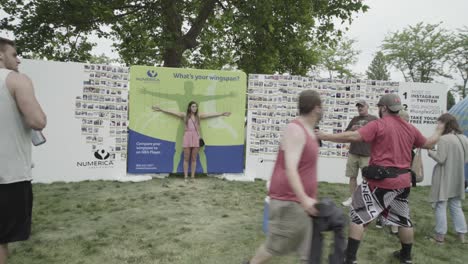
(192, 133)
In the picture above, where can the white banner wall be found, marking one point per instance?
(272, 103)
(86, 108)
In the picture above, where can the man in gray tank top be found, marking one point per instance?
(19, 114)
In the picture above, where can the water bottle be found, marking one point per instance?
(37, 138)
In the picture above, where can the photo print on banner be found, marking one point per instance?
(103, 110)
(156, 137)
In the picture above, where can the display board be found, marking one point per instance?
(102, 109)
(155, 142)
(272, 103)
(86, 108)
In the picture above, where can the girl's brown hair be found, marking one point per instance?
(189, 111)
(451, 124)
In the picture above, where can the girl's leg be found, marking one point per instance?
(194, 161)
(186, 162)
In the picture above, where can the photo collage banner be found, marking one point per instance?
(102, 107)
(272, 103)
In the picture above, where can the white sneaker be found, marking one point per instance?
(347, 202)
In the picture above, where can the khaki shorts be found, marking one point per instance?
(289, 229)
(355, 162)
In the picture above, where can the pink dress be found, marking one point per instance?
(191, 138)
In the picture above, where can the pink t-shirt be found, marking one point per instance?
(307, 168)
(392, 140)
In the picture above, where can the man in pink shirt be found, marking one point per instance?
(391, 139)
(293, 188)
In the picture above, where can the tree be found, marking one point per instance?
(338, 58)
(450, 100)
(255, 35)
(418, 51)
(378, 68)
(458, 58)
(101, 59)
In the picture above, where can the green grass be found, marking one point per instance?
(210, 221)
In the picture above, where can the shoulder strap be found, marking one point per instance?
(463, 146)
(195, 125)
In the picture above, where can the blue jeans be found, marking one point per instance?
(456, 212)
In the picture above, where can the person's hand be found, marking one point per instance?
(440, 128)
(226, 114)
(156, 108)
(309, 206)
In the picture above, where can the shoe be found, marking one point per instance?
(379, 222)
(350, 261)
(396, 254)
(348, 202)
(394, 230)
(461, 238)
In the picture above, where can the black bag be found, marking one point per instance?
(376, 172)
(201, 142)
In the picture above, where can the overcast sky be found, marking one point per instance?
(384, 16)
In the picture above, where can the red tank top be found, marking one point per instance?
(307, 168)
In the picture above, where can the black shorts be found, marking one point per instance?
(16, 201)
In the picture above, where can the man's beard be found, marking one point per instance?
(319, 116)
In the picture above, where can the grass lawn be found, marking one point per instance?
(210, 221)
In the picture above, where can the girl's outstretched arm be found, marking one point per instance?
(208, 115)
(174, 113)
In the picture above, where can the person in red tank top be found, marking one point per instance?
(391, 139)
(293, 188)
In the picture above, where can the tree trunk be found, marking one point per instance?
(177, 43)
(172, 57)
(464, 87)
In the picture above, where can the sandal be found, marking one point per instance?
(438, 239)
(461, 238)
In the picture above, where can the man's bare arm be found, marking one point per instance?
(432, 140)
(22, 90)
(345, 137)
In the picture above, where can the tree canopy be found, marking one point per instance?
(256, 35)
(377, 70)
(458, 57)
(338, 59)
(418, 51)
